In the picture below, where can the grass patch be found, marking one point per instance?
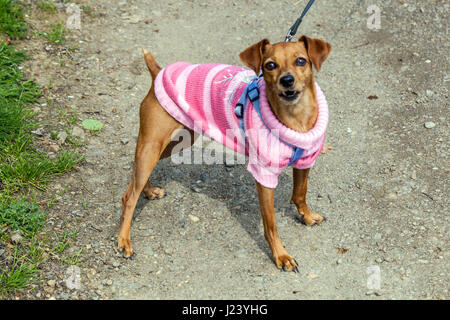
(17, 275)
(47, 6)
(12, 20)
(21, 164)
(56, 34)
(22, 215)
(88, 10)
(22, 167)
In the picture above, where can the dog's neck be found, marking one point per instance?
(301, 116)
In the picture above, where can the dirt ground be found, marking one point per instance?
(383, 186)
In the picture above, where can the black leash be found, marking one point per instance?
(293, 30)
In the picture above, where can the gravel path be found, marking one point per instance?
(383, 185)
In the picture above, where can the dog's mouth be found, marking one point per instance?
(290, 95)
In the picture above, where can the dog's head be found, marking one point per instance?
(287, 66)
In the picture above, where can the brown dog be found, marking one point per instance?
(290, 90)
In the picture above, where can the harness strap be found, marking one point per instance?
(252, 92)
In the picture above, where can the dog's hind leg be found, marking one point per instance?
(187, 139)
(147, 155)
(155, 133)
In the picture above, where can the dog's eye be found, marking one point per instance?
(300, 62)
(271, 65)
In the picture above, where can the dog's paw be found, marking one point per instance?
(286, 263)
(124, 246)
(153, 193)
(311, 218)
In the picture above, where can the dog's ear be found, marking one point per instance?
(252, 56)
(318, 50)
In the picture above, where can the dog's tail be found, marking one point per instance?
(152, 65)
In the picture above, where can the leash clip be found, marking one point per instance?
(293, 30)
(289, 36)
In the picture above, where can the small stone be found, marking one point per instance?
(392, 196)
(195, 189)
(124, 141)
(62, 136)
(313, 275)
(430, 125)
(404, 68)
(241, 253)
(78, 132)
(429, 93)
(38, 131)
(109, 282)
(157, 13)
(16, 237)
(51, 283)
(54, 148)
(205, 177)
(349, 130)
(134, 19)
(193, 218)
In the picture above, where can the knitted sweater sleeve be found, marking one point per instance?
(267, 176)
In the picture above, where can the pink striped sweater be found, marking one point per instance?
(203, 98)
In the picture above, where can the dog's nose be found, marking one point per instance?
(287, 81)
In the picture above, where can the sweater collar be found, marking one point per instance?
(304, 140)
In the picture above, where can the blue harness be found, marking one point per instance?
(252, 92)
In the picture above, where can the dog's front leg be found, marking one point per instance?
(280, 255)
(299, 198)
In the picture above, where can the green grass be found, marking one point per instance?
(64, 240)
(56, 35)
(21, 164)
(23, 168)
(22, 269)
(22, 215)
(12, 19)
(47, 6)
